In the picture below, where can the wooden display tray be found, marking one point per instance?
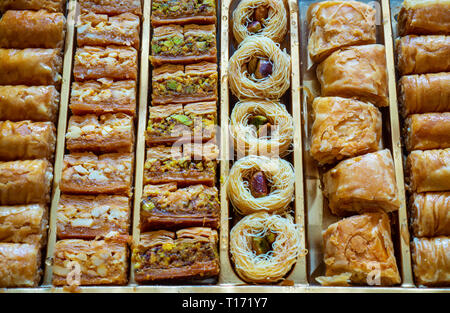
(308, 201)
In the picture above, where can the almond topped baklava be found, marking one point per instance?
(104, 133)
(90, 217)
(114, 62)
(175, 123)
(111, 7)
(183, 12)
(187, 254)
(49, 5)
(184, 84)
(86, 173)
(103, 96)
(166, 206)
(183, 44)
(101, 30)
(185, 165)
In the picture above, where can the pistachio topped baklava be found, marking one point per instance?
(183, 12)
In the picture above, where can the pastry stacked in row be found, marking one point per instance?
(423, 59)
(93, 213)
(264, 241)
(180, 209)
(31, 39)
(358, 174)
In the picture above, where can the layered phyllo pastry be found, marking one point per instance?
(183, 12)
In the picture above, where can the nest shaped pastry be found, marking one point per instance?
(261, 127)
(264, 247)
(259, 69)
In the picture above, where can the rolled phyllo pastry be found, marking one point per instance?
(264, 247)
(359, 250)
(424, 93)
(86, 173)
(19, 265)
(424, 17)
(103, 30)
(431, 261)
(48, 5)
(174, 123)
(262, 17)
(358, 71)
(103, 96)
(31, 67)
(184, 84)
(260, 183)
(344, 128)
(186, 255)
(110, 7)
(430, 214)
(90, 217)
(427, 131)
(114, 62)
(104, 133)
(428, 170)
(100, 262)
(423, 54)
(183, 44)
(23, 224)
(25, 182)
(337, 24)
(182, 12)
(166, 206)
(349, 191)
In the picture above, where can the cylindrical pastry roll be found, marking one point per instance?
(423, 54)
(263, 17)
(30, 29)
(429, 170)
(37, 103)
(424, 17)
(338, 24)
(425, 93)
(264, 247)
(25, 182)
(427, 131)
(362, 183)
(19, 265)
(49, 5)
(27, 140)
(261, 127)
(358, 71)
(260, 183)
(430, 214)
(259, 69)
(431, 260)
(30, 67)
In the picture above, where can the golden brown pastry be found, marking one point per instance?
(429, 170)
(338, 24)
(430, 214)
(111, 7)
(361, 246)
(431, 261)
(344, 128)
(358, 72)
(19, 265)
(423, 54)
(424, 17)
(362, 183)
(427, 131)
(183, 12)
(425, 93)
(49, 5)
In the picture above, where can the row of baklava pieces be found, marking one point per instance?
(347, 128)
(424, 63)
(181, 160)
(30, 67)
(93, 215)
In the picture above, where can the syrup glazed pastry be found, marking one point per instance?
(49, 5)
(259, 183)
(264, 247)
(427, 131)
(263, 17)
(338, 24)
(430, 214)
(111, 7)
(183, 12)
(261, 127)
(259, 69)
